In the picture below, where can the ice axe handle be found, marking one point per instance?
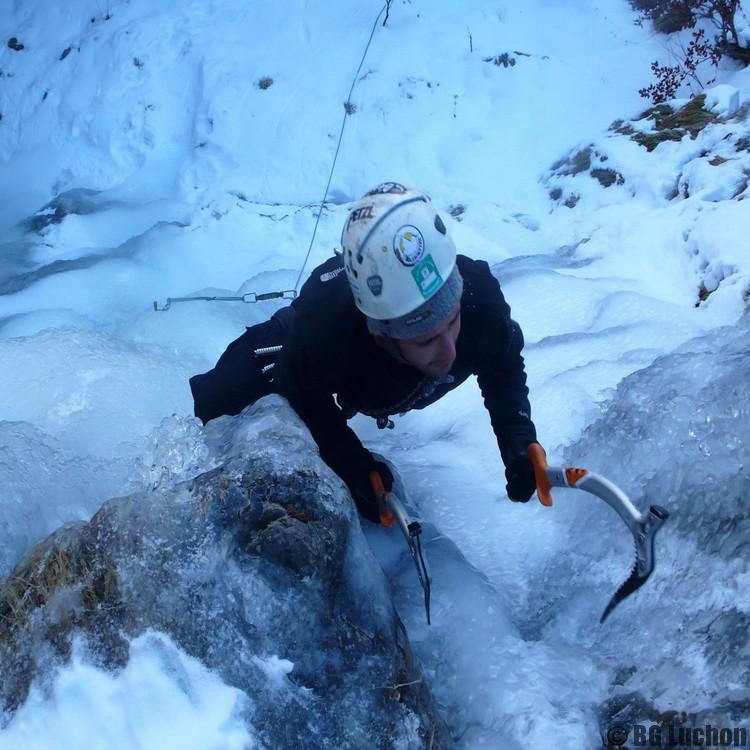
(376, 482)
(538, 459)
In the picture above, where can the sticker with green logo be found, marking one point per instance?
(427, 277)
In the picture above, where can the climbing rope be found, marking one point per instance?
(385, 9)
(291, 294)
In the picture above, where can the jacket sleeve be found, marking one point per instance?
(502, 378)
(304, 378)
(236, 380)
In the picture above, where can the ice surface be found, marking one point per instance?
(675, 434)
(497, 689)
(45, 485)
(85, 385)
(79, 406)
(179, 175)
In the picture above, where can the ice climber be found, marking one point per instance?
(391, 324)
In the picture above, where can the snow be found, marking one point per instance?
(723, 100)
(162, 698)
(197, 181)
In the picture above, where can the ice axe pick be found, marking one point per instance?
(392, 512)
(643, 526)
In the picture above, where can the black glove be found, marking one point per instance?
(363, 493)
(521, 481)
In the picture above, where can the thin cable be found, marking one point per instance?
(338, 146)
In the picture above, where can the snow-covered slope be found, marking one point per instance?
(149, 150)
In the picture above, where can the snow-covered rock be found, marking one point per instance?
(258, 568)
(723, 100)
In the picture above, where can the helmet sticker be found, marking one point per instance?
(376, 285)
(359, 214)
(427, 277)
(408, 244)
(388, 188)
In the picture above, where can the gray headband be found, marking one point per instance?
(426, 317)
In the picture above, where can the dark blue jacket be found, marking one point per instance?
(329, 351)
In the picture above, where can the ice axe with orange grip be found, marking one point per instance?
(643, 526)
(392, 512)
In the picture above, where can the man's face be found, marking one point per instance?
(434, 352)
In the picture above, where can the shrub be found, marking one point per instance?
(669, 16)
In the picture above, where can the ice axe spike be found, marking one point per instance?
(642, 526)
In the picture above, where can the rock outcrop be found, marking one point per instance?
(261, 556)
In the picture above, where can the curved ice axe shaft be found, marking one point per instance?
(392, 512)
(642, 526)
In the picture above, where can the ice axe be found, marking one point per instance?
(392, 511)
(643, 526)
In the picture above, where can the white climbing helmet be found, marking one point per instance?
(397, 252)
